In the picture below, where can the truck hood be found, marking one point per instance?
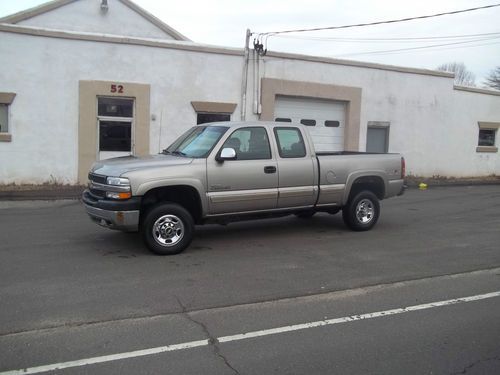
(117, 166)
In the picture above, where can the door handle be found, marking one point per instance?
(270, 169)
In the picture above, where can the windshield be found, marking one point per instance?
(197, 142)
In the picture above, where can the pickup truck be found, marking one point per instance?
(227, 171)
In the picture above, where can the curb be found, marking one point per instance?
(57, 193)
(413, 184)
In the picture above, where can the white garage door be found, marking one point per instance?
(325, 119)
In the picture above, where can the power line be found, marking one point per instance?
(381, 52)
(386, 40)
(378, 22)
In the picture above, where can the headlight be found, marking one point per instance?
(118, 181)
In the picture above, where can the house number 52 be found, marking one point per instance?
(117, 89)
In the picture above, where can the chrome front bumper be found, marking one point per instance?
(127, 221)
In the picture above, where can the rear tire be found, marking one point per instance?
(167, 229)
(362, 211)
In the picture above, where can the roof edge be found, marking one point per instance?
(55, 4)
(197, 47)
(477, 90)
(361, 64)
(154, 20)
(119, 39)
(35, 11)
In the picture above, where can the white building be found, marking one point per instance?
(82, 80)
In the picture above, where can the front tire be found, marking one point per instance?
(167, 229)
(362, 211)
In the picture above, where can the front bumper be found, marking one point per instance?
(120, 215)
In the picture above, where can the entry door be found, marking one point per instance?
(115, 127)
(249, 183)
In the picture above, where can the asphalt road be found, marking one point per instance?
(72, 291)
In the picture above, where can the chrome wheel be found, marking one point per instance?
(168, 230)
(365, 211)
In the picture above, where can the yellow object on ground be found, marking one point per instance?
(422, 186)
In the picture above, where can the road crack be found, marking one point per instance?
(212, 341)
(473, 364)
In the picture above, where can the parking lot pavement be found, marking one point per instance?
(70, 290)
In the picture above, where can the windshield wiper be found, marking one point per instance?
(166, 152)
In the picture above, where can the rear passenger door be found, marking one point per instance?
(296, 184)
(248, 183)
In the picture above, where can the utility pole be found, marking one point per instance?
(244, 80)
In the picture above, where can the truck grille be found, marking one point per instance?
(96, 193)
(97, 178)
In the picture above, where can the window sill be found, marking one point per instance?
(486, 149)
(5, 137)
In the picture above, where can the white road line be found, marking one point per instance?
(248, 335)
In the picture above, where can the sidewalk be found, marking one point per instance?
(40, 192)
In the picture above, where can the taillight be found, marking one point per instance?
(403, 168)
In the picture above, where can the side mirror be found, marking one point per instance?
(227, 153)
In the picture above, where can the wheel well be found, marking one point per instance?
(186, 196)
(371, 183)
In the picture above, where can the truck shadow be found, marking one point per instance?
(273, 228)
(208, 237)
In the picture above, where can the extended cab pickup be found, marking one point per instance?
(229, 171)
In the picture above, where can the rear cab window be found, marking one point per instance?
(290, 142)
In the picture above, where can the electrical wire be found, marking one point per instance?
(387, 40)
(379, 22)
(381, 52)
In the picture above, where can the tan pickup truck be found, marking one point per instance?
(227, 171)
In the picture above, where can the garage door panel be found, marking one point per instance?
(325, 138)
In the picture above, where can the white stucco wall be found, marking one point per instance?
(433, 125)
(86, 15)
(44, 115)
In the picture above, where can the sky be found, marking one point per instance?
(224, 22)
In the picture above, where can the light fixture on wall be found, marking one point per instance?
(104, 6)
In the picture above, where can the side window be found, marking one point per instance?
(488, 137)
(290, 143)
(4, 118)
(6, 99)
(249, 143)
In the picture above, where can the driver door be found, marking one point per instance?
(248, 183)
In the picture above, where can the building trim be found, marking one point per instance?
(350, 95)
(214, 107)
(7, 97)
(476, 90)
(5, 137)
(486, 149)
(488, 125)
(87, 124)
(35, 11)
(91, 37)
(360, 64)
(47, 7)
(196, 47)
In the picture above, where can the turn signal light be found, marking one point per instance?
(114, 195)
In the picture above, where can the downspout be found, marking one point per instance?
(244, 77)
